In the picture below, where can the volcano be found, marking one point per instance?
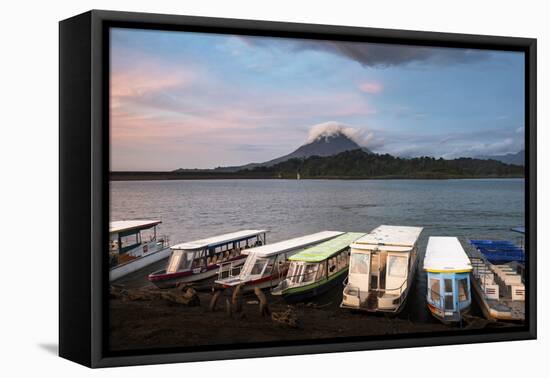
(324, 145)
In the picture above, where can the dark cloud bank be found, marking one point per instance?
(376, 54)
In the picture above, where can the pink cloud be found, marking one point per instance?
(144, 80)
(372, 87)
(180, 110)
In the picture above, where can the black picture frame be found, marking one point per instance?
(84, 182)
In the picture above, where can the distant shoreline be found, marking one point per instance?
(201, 175)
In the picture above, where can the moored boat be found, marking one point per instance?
(133, 245)
(498, 289)
(448, 276)
(201, 259)
(382, 267)
(317, 269)
(267, 265)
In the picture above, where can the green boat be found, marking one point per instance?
(317, 269)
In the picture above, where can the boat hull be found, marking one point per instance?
(438, 314)
(139, 263)
(489, 312)
(303, 293)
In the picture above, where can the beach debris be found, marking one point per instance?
(182, 286)
(141, 294)
(287, 318)
(181, 294)
(236, 299)
(214, 300)
(264, 306)
(184, 295)
(318, 306)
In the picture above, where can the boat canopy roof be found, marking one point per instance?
(391, 238)
(445, 254)
(127, 225)
(326, 249)
(220, 239)
(291, 244)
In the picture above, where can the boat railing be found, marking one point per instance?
(228, 270)
(297, 280)
(378, 293)
(349, 289)
(163, 240)
(400, 298)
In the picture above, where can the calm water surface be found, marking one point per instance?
(194, 209)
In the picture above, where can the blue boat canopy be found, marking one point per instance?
(499, 251)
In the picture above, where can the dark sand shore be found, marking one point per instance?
(158, 323)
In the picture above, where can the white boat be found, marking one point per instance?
(201, 259)
(382, 267)
(133, 245)
(267, 266)
(448, 276)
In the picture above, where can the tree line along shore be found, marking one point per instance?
(355, 164)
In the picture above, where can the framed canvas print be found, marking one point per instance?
(234, 188)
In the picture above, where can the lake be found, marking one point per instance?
(195, 209)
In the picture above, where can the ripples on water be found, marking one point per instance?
(194, 209)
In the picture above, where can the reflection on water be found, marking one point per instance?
(196, 209)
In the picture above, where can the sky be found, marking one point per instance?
(197, 100)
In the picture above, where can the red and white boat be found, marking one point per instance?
(267, 265)
(201, 259)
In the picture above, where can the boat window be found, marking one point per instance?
(147, 235)
(309, 272)
(321, 271)
(397, 266)
(291, 269)
(338, 262)
(448, 285)
(282, 264)
(359, 263)
(258, 266)
(128, 242)
(197, 258)
(174, 262)
(449, 302)
(434, 289)
(332, 266)
(297, 276)
(269, 267)
(463, 290)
